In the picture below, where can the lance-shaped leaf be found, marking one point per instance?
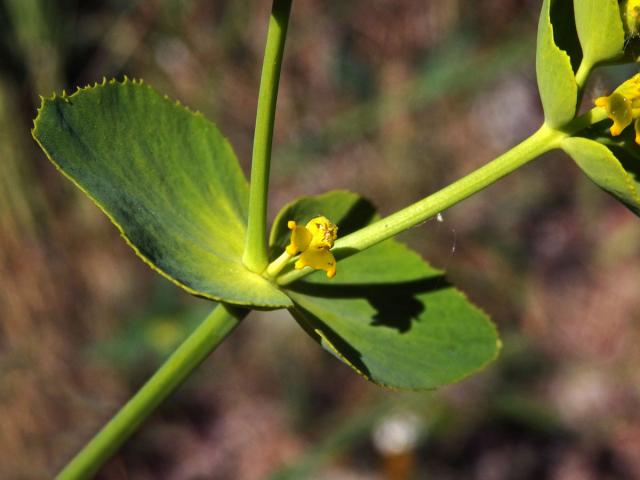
(168, 180)
(556, 80)
(600, 30)
(618, 176)
(387, 313)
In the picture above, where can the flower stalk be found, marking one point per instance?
(277, 265)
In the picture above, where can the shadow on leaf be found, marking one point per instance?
(329, 339)
(397, 305)
(359, 215)
(628, 158)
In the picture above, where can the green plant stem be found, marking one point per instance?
(255, 256)
(585, 68)
(213, 330)
(277, 265)
(542, 141)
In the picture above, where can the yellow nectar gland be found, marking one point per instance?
(623, 106)
(314, 241)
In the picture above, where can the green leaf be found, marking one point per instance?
(565, 34)
(600, 30)
(387, 313)
(168, 180)
(556, 81)
(605, 170)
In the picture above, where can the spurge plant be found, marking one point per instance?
(170, 182)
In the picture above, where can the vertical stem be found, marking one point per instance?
(255, 256)
(213, 330)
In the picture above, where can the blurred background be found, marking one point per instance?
(392, 99)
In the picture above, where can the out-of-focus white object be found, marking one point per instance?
(397, 433)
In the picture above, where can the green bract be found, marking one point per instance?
(617, 174)
(387, 313)
(598, 37)
(168, 180)
(600, 30)
(556, 81)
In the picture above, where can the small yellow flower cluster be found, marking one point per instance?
(623, 106)
(314, 241)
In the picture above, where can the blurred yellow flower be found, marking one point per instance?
(314, 241)
(630, 10)
(623, 106)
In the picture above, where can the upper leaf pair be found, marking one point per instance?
(598, 27)
(598, 37)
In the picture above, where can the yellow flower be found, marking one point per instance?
(314, 241)
(623, 106)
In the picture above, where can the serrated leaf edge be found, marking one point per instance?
(545, 16)
(64, 96)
